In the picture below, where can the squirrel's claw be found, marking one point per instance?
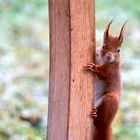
(90, 66)
(93, 113)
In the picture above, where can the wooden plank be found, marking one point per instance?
(72, 41)
(82, 50)
(59, 70)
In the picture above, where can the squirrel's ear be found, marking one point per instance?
(121, 35)
(106, 33)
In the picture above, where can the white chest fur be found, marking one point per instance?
(99, 84)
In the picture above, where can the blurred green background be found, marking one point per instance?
(24, 50)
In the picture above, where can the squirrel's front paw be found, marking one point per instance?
(90, 66)
(93, 113)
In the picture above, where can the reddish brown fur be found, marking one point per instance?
(112, 42)
(106, 113)
(107, 110)
(110, 74)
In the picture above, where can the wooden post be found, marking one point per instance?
(72, 39)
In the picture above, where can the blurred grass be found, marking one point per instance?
(24, 48)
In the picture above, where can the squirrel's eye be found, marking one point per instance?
(103, 47)
(118, 50)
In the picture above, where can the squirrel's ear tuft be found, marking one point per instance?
(121, 35)
(106, 33)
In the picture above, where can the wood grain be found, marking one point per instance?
(82, 50)
(72, 41)
(59, 70)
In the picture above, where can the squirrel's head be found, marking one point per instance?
(111, 45)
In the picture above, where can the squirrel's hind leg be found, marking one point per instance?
(105, 115)
(107, 109)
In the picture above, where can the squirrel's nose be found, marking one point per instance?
(109, 53)
(109, 57)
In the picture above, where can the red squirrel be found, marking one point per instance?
(107, 84)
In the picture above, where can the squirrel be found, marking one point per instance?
(108, 84)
